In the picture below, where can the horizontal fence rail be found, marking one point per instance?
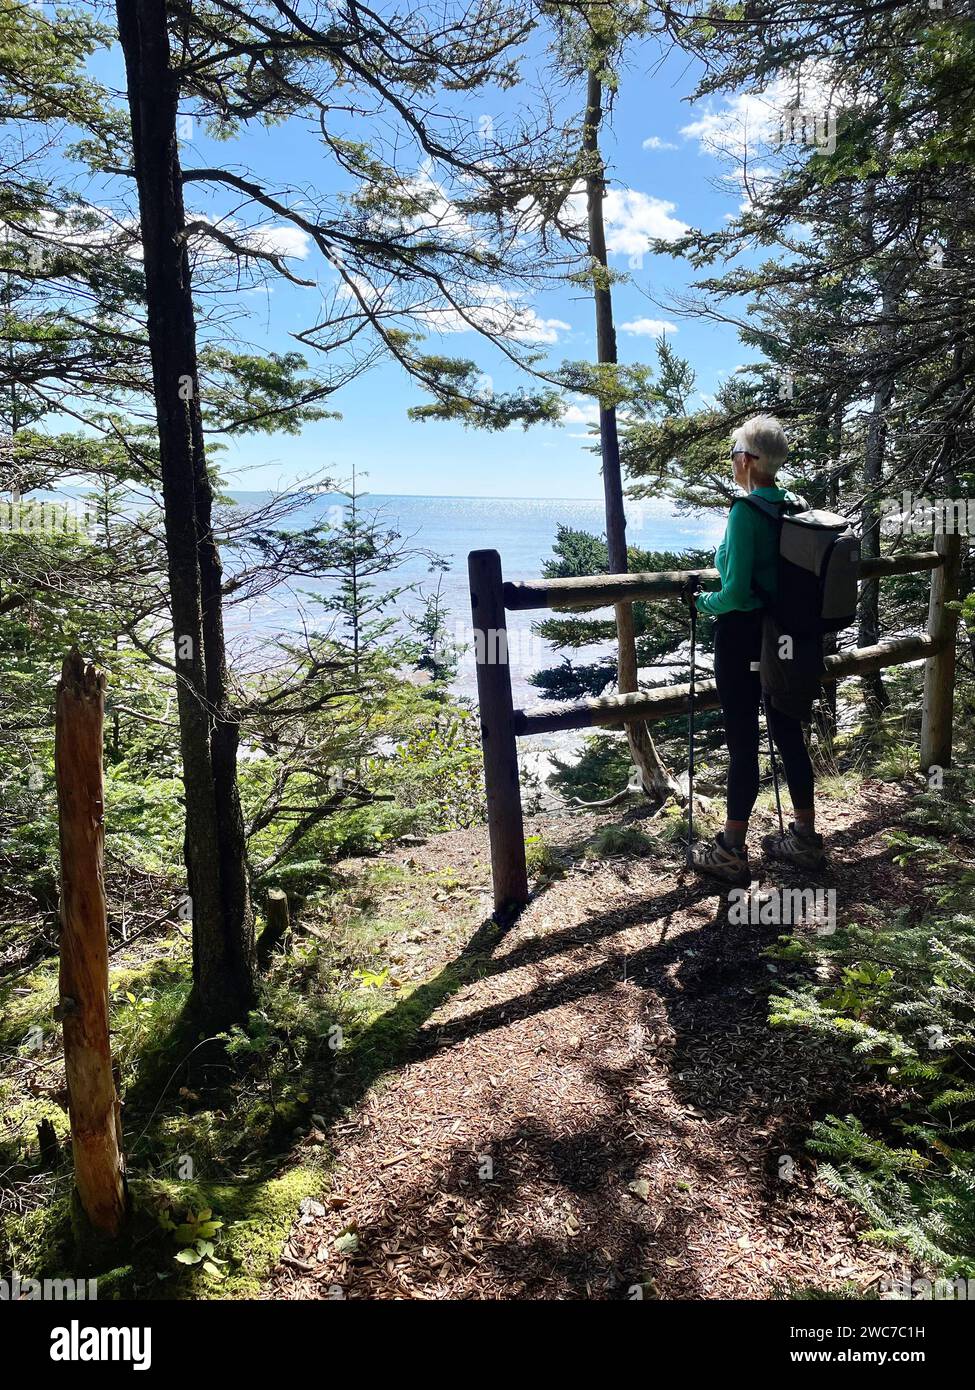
(650, 706)
(602, 591)
(502, 724)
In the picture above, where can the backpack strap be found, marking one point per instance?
(774, 512)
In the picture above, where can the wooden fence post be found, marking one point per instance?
(83, 984)
(939, 670)
(505, 825)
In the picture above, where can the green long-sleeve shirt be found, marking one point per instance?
(746, 559)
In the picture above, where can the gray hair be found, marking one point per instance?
(764, 436)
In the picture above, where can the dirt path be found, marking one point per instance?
(604, 1108)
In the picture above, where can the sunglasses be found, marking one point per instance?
(743, 453)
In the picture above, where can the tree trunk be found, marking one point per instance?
(939, 671)
(890, 281)
(654, 775)
(868, 633)
(215, 845)
(826, 716)
(950, 454)
(93, 1105)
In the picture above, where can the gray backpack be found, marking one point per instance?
(819, 556)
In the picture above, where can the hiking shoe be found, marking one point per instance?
(717, 859)
(802, 851)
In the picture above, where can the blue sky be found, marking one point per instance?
(667, 171)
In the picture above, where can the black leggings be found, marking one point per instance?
(737, 644)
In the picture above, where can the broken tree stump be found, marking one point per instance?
(93, 1103)
(277, 922)
(48, 1148)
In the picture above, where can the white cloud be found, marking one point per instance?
(533, 329)
(633, 219)
(654, 142)
(755, 181)
(281, 239)
(581, 412)
(434, 210)
(53, 232)
(285, 241)
(648, 328)
(748, 122)
(498, 312)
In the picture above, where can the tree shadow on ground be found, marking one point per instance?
(712, 984)
(722, 1063)
(399, 1034)
(549, 1218)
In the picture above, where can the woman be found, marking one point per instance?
(747, 562)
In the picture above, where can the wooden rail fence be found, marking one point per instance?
(502, 724)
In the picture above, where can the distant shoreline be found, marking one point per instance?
(421, 496)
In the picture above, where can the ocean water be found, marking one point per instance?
(521, 530)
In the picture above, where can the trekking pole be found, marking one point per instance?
(690, 594)
(775, 766)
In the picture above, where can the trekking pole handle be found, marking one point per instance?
(690, 589)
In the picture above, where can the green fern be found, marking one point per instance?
(898, 994)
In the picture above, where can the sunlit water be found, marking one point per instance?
(522, 530)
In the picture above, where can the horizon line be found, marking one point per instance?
(428, 496)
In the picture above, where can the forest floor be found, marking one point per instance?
(592, 1104)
